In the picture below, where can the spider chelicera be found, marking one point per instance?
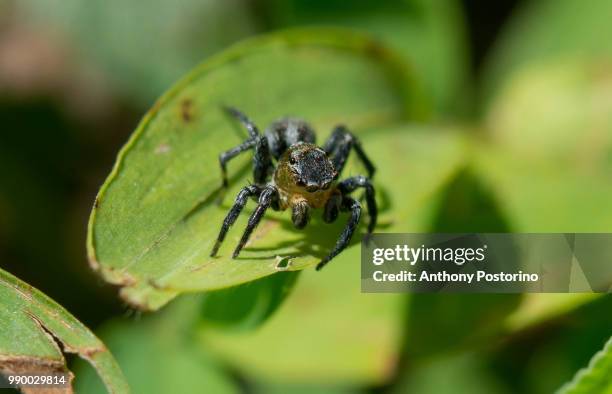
(304, 178)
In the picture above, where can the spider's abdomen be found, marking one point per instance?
(287, 132)
(304, 172)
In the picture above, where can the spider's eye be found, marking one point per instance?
(292, 160)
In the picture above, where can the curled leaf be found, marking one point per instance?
(35, 332)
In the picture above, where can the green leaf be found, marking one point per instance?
(596, 378)
(552, 122)
(549, 161)
(32, 329)
(463, 321)
(557, 111)
(155, 218)
(327, 330)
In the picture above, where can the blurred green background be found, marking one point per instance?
(529, 80)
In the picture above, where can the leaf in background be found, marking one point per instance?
(549, 30)
(120, 37)
(157, 355)
(557, 111)
(596, 378)
(155, 218)
(327, 330)
(32, 326)
(550, 166)
(429, 34)
(549, 161)
(538, 196)
(462, 321)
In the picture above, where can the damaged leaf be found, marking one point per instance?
(35, 332)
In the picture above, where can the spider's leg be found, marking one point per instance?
(262, 161)
(339, 146)
(246, 122)
(350, 184)
(267, 196)
(352, 205)
(300, 214)
(232, 215)
(332, 208)
(230, 154)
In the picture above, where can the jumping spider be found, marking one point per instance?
(305, 178)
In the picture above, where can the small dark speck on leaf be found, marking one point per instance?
(186, 110)
(97, 202)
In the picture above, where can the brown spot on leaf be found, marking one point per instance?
(97, 202)
(40, 365)
(187, 110)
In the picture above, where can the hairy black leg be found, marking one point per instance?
(262, 161)
(352, 205)
(246, 122)
(230, 154)
(267, 196)
(339, 145)
(232, 215)
(300, 214)
(350, 184)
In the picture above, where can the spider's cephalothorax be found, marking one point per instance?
(304, 178)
